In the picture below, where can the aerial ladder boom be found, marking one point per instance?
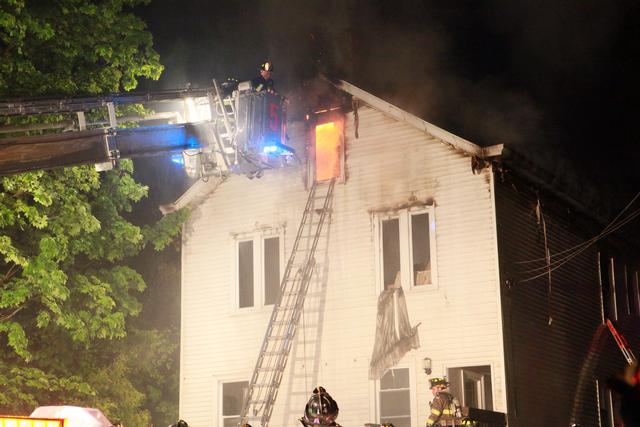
(209, 130)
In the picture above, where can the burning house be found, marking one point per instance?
(404, 252)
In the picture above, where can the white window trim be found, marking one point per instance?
(258, 237)
(406, 248)
(218, 417)
(474, 364)
(375, 390)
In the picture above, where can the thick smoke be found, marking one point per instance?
(550, 78)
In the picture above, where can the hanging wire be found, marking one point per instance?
(583, 246)
(559, 263)
(547, 254)
(593, 239)
(568, 258)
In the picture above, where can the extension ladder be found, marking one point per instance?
(272, 359)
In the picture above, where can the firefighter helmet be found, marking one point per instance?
(436, 382)
(469, 422)
(266, 66)
(321, 409)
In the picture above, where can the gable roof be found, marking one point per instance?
(394, 112)
(201, 189)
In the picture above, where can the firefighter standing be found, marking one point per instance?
(264, 82)
(443, 406)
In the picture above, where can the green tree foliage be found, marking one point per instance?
(67, 285)
(73, 47)
(64, 279)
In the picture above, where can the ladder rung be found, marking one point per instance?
(277, 368)
(281, 322)
(279, 337)
(288, 294)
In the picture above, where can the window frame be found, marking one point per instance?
(413, 403)
(482, 395)
(220, 413)
(258, 238)
(339, 118)
(404, 216)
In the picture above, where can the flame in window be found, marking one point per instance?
(328, 151)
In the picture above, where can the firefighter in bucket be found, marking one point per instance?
(321, 410)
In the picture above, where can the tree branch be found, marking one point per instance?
(10, 273)
(10, 315)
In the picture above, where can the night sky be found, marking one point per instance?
(557, 79)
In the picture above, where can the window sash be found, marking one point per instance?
(473, 385)
(246, 273)
(421, 247)
(401, 386)
(258, 269)
(272, 269)
(391, 256)
(409, 222)
(228, 414)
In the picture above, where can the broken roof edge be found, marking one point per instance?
(392, 111)
(194, 194)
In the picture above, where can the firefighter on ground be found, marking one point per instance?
(444, 405)
(264, 82)
(321, 410)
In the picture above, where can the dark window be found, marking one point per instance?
(395, 398)
(391, 251)
(232, 398)
(271, 269)
(472, 386)
(245, 273)
(420, 243)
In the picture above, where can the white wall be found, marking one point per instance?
(387, 165)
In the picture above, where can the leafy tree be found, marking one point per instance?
(67, 287)
(73, 47)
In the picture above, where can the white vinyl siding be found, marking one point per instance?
(388, 168)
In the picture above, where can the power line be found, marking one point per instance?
(589, 240)
(610, 228)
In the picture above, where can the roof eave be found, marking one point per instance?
(392, 111)
(194, 194)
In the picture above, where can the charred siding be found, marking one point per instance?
(543, 357)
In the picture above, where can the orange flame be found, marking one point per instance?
(328, 149)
